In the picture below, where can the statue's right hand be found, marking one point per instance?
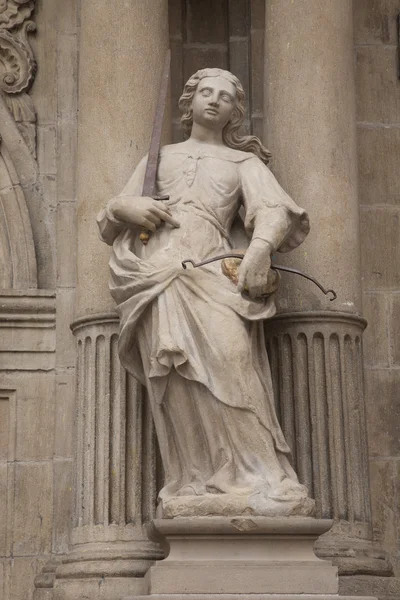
(142, 211)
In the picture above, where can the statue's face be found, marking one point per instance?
(213, 102)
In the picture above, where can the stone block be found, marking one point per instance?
(35, 416)
(247, 555)
(22, 575)
(376, 345)
(65, 414)
(63, 496)
(66, 245)
(378, 165)
(33, 509)
(67, 76)
(239, 65)
(65, 341)
(394, 329)
(195, 58)
(378, 98)
(43, 219)
(384, 588)
(44, 45)
(380, 248)
(67, 16)
(175, 17)
(239, 18)
(383, 502)
(252, 578)
(375, 21)
(257, 70)
(177, 82)
(5, 426)
(257, 14)
(383, 411)
(3, 509)
(249, 597)
(206, 22)
(5, 579)
(67, 141)
(94, 588)
(257, 124)
(46, 149)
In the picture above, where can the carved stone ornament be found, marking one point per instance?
(18, 65)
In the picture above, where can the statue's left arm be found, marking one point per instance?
(272, 219)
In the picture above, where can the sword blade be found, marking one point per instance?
(150, 178)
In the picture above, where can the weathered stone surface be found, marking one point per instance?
(46, 140)
(66, 246)
(35, 416)
(314, 144)
(200, 28)
(33, 509)
(22, 573)
(63, 501)
(241, 555)
(384, 588)
(195, 58)
(239, 19)
(375, 21)
(380, 232)
(45, 49)
(376, 311)
(383, 412)
(67, 71)
(3, 507)
(377, 84)
(384, 503)
(64, 339)
(379, 158)
(65, 414)
(394, 329)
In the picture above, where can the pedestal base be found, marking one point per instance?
(248, 597)
(242, 557)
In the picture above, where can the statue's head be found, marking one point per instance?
(204, 84)
(195, 104)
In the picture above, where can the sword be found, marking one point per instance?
(150, 178)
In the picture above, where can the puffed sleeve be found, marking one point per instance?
(109, 226)
(271, 215)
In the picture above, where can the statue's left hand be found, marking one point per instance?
(253, 272)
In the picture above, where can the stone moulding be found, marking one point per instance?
(19, 186)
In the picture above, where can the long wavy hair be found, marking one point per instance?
(230, 135)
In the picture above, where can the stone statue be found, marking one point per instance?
(193, 337)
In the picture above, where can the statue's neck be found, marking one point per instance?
(204, 135)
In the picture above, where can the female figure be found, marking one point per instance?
(193, 337)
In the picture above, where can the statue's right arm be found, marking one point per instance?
(132, 211)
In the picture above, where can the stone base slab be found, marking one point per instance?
(384, 588)
(248, 597)
(241, 555)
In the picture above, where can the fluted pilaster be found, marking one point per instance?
(116, 470)
(316, 364)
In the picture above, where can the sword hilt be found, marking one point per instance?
(145, 234)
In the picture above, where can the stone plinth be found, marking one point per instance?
(242, 557)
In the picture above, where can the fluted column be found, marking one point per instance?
(316, 345)
(121, 55)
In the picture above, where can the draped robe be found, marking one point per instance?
(193, 340)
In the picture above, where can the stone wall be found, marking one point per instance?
(378, 115)
(37, 351)
(228, 35)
